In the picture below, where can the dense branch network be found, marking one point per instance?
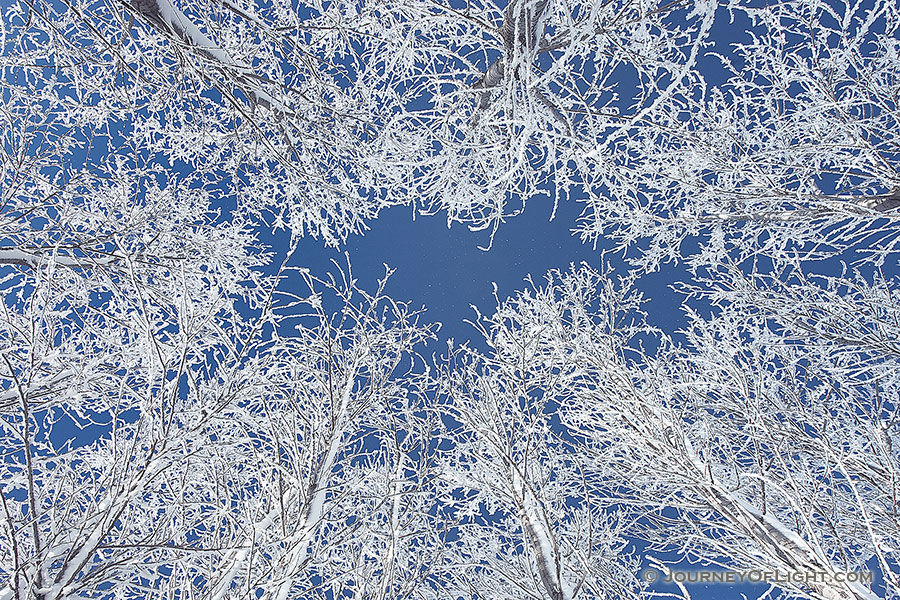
(166, 18)
(248, 430)
(521, 31)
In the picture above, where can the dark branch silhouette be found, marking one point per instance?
(883, 202)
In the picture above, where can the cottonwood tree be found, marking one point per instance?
(100, 251)
(136, 328)
(104, 371)
(319, 116)
(122, 296)
(326, 462)
(143, 141)
(487, 106)
(530, 521)
(751, 445)
(218, 90)
(799, 427)
(795, 150)
(198, 454)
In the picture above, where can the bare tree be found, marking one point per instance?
(207, 456)
(165, 431)
(499, 104)
(165, 17)
(319, 117)
(333, 449)
(523, 26)
(105, 375)
(794, 151)
(123, 297)
(529, 517)
(142, 385)
(739, 449)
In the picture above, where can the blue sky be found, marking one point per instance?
(447, 271)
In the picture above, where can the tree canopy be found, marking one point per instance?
(187, 411)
